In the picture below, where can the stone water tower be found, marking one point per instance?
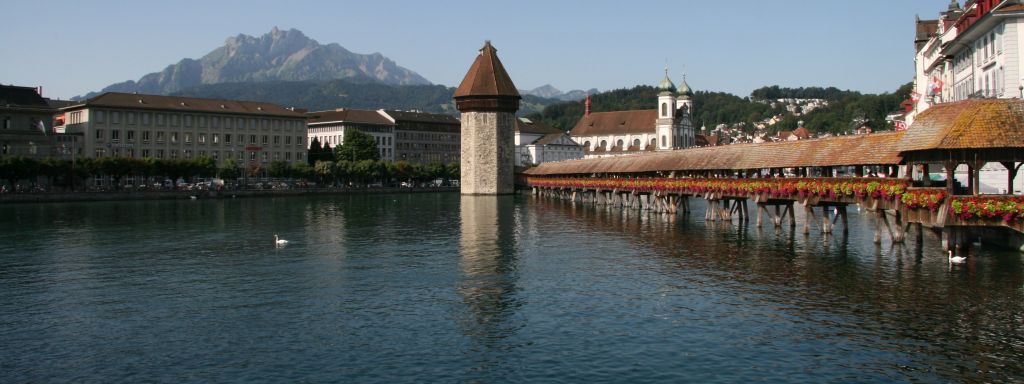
(488, 101)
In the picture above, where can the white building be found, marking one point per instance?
(170, 127)
(969, 52)
(668, 127)
(537, 143)
(328, 127)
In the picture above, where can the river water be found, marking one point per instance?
(444, 288)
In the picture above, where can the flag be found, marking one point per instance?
(915, 97)
(900, 125)
(42, 127)
(936, 85)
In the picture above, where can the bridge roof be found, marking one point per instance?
(869, 149)
(969, 124)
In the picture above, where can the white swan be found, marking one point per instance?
(956, 259)
(279, 241)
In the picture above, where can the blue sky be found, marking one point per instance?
(74, 47)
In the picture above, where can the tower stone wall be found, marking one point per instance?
(488, 146)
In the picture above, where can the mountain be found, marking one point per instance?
(549, 92)
(276, 56)
(360, 92)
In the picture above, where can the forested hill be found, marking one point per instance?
(318, 96)
(845, 108)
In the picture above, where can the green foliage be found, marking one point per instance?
(229, 171)
(357, 146)
(712, 108)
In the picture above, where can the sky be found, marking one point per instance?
(74, 47)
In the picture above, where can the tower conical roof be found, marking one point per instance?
(487, 77)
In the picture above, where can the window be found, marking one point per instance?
(636, 143)
(174, 137)
(99, 116)
(115, 117)
(188, 137)
(215, 122)
(252, 139)
(287, 155)
(216, 138)
(619, 143)
(145, 118)
(202, 138)
(202, 121)
(131, 136)
(252, 156)
(159, 153)
(145, 136)
(188, 153)
(99, 134)
(277, 140)
(160, 119)
(175, 120)
(227, 138)
(145, 153)
(173, 153)
(287, 140)
(100, 152)
(216, 155)
(131, 117)
(159, 136)
(188, 120)
(263, 155)
(202, 153)
(264, 139)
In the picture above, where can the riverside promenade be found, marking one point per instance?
(50, 197)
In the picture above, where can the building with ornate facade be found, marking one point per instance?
(969, 52)
(668, 127)
(170, 127)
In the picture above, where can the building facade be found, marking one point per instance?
(538, 143)
(669, 126)
(969, 52)
(169, 127)
(426, 137)
(25, 120)
(329, 127)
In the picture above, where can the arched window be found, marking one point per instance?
(618, 144)
(636, 144)
(604, 144)
(653, 143)
(586, 144)
(664, 109)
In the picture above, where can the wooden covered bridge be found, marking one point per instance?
(887, 173)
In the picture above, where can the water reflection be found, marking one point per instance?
(487, 260)
(962, 323)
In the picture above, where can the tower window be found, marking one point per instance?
(664, 109)
(664, 141)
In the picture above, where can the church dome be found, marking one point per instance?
(684, 88)
(666, 84)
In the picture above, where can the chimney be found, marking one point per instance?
(586, 112)
(39, 90)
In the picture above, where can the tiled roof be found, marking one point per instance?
(487, 77)
(1011, 8)
(548, 138)
(802, 133)
(535, 127)
(186, 104)
(15, 96)
(617, 123)
(835, 151)
(349, 116)
(981, 123)
(422, 117)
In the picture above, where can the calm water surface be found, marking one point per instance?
(443, 288)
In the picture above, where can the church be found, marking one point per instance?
(668, 127)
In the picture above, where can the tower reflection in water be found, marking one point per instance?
(488, 262)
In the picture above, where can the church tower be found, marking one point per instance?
(684, 103)
(488, 102)
(666, 114)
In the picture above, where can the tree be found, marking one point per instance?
(230, 170)
(279, 169)
(314, 151)
(204, 166)
(357, 146)
(325, 171)
(14, 168)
